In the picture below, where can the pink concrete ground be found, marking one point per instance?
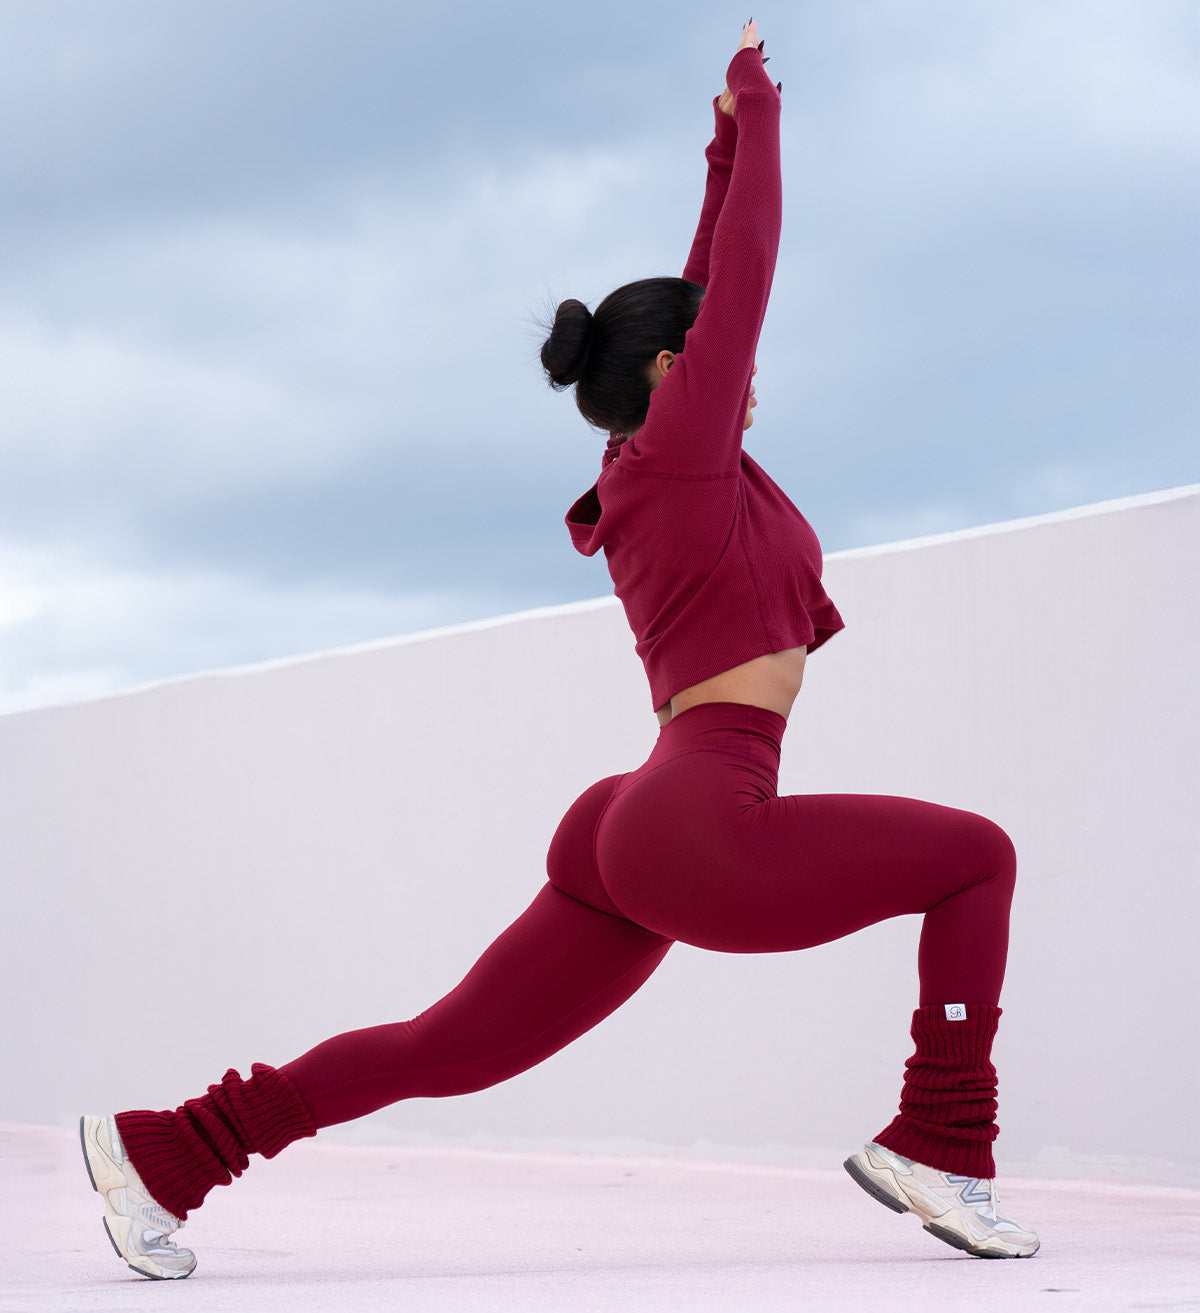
(330, 1226)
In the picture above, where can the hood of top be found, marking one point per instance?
(583, 519)
(584, 516)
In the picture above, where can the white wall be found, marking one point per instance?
(229, 868)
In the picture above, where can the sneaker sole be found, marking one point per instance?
(874, 1188)
(114, 1178)
(995, 1248)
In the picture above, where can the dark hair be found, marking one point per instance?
(607, 355)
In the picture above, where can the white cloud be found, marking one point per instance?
(71, 629)
(1113, 70)
(78, 399)
(976, 195)
(200, 357)
(20, 600)
(207, 360)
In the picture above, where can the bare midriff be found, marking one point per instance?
(771, 681)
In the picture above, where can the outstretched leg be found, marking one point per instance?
(556, 972)
(560, 968)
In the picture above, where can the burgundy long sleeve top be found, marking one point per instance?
(712, 562)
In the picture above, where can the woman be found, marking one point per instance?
(720, 578)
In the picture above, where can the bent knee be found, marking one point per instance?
(996, 856)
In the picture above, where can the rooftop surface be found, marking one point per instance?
(331, 1226)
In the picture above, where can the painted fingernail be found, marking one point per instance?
(779, 87)
(760, 46)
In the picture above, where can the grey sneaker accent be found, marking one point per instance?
(976, 1191)
(960, 1210)
(137, 1226)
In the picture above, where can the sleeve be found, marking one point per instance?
(694, 426)
(719, 155)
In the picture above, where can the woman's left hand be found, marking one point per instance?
(750, 36)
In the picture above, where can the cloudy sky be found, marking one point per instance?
(271, 271)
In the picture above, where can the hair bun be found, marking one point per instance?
(565, 351)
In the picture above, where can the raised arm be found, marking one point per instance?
(694, 426)
(719, 155)
(720, 167)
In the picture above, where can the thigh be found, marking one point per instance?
(557, 971)
(700, 852)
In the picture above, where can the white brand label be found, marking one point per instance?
(956, 1012)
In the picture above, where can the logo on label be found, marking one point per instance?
(956, 1012)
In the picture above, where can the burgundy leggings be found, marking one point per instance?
(694, 846)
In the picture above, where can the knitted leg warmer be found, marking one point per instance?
(948, 1105)
(181, 1155)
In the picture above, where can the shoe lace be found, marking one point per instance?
(968, 1190)
(989, 1210)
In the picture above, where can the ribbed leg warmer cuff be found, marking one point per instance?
(181, 1155)
(948, 1105)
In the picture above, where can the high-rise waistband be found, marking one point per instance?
(723, 726)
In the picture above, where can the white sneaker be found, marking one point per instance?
(136, 1225)
(961, 1210)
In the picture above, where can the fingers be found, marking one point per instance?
(750, 38)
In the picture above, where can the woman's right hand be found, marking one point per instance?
(750, 38)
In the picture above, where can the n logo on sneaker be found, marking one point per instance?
(973, 1189)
